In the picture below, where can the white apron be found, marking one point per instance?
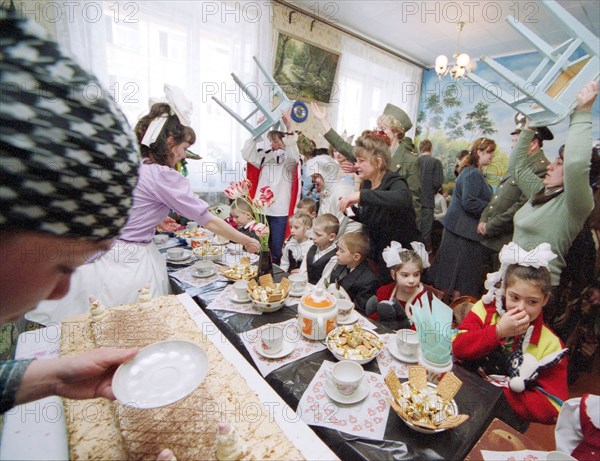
(114, 279)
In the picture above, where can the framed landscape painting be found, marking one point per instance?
(304, 70)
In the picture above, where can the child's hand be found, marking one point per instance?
(514, 323)
(348, 201)
(348, 167)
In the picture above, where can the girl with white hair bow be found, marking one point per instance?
(393, 302)
(504, 336)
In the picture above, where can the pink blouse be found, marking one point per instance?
(159, 190)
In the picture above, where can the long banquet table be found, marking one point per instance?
(480, 400)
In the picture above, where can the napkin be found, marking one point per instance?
(185, 275)
(224, 303)
(386, 361)
(304, 347)
(367, 418)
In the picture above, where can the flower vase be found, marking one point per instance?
(265, 263)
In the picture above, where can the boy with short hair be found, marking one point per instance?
(299, 243)
(321, 259)
(307, 206)
(352, 272)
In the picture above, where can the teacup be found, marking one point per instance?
(345, 308)
(407, 341)
(175, 253)
(204, 267)
(298, 282)
(271, 338)
(191, 226)
(241, 289)
(346, 376)
(159, 239)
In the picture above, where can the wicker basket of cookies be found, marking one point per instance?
(268, 296)
(423, 406)
(243, 270)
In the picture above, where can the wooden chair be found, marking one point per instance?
(548, 95)
(461, 307)
(271, 110)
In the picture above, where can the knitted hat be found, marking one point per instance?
(68, 157)
(399, 115)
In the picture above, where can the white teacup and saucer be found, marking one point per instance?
(178, 254)
(405, 346)
(346, 313)
(345, 382)
(299, 283)
(274, 342)
(240, 292)
(204, 269)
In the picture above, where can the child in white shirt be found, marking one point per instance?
(298, 245)
(321, 257)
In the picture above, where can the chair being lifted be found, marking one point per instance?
(549, 94)
(278, 103)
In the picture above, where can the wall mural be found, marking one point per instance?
(453, 113)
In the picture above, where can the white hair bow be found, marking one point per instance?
(391, 254)
(180, 106)
(511, 253)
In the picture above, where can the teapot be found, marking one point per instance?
(317, 314)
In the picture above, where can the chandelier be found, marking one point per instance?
(461, 61)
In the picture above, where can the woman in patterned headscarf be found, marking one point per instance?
(67, 171)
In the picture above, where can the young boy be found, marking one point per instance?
(321, 259)
(308, 207)
(298, 245)
(352, 272)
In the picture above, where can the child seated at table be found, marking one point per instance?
(307, 206)
(352, 272)
(393, 302)
(511, 346)
(298, 244)
(321, 258)
(243, 216)
(577, 431)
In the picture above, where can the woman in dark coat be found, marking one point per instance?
(384, 202)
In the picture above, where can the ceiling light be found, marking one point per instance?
(462, 60)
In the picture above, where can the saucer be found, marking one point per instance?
(360, 394)
(393, 348)
(352, 319)
(203, 276)
(160, 374)
(186, 255)
(236, 299)
(287, 349)
(298, 294)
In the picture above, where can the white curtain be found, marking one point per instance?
(370, 78)
(134, 48)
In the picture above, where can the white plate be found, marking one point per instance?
(288, 348)
(360, 394)
(352, 319)
(206, 275)
(186, 255)
(393, 348)
(160, 374)
(235, 299)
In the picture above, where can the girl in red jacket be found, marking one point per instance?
(512, 347)
(393, 302)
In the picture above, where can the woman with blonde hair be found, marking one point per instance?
(457, 268)
(383, 204)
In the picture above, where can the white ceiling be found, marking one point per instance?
(421, 30)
